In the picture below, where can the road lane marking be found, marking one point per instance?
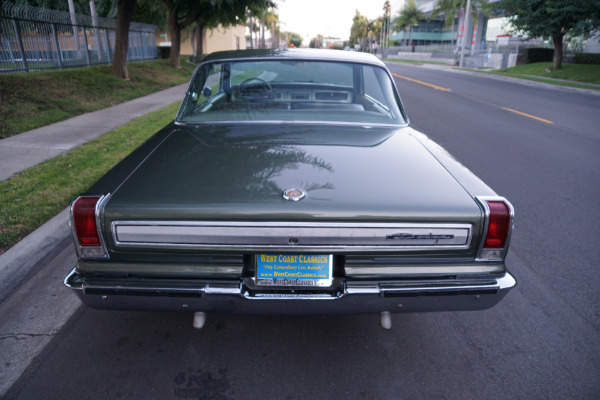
(436, 87)
(431, 85)
(527, 115)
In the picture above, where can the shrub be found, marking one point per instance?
(587, 58)
(537, 54)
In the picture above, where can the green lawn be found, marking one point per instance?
(31, 100)
(583, 73)
(35, 195)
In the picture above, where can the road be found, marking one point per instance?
(542, 341)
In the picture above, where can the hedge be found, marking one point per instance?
(537, 54)
(587, 58)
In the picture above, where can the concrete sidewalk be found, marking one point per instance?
(30, 148)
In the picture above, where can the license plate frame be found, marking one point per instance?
(294, 270)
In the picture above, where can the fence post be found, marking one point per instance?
(87, 53)
(109, 50)
(20, 42)
(57, 45)
(142, 44)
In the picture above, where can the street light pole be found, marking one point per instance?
(464, 38)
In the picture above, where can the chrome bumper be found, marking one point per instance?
(243, 297)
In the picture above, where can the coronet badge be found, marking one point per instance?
(293, 194)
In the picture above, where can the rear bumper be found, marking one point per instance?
(242, 297)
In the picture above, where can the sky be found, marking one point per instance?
(327, 17)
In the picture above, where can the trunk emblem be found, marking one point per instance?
(293, 194)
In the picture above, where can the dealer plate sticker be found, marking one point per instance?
(294, 269)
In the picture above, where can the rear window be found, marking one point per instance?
(291, 90)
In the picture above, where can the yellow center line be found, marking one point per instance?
(436, 87)
(528, 115)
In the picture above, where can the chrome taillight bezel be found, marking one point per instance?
(90, 252)
(493, 254)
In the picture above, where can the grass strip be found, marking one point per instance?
(575, 75)
(31, 100)
(583, 73)
(35, 195)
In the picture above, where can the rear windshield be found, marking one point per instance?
(291, 90)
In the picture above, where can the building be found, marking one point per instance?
(217, 39)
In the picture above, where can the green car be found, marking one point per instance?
(291, 182)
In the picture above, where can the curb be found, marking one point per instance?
(32, 253)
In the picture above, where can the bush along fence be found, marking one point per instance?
(36, 39)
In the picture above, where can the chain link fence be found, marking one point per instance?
(36, 39)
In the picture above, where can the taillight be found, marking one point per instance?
(85, 229)
(84, 220)
(498, 224)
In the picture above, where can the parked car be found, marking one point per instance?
(291, 182)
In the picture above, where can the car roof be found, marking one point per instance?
(295, 53)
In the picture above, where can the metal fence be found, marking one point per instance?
(36, 39)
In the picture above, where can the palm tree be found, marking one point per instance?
(451, 8)
(272, 20)
(409, 16)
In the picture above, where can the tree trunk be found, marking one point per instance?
(193, 38)
(452, 37)
(124, 14)
(251, 31)
(558, 50)
(175, 33)
(199, 31)
(274, 40)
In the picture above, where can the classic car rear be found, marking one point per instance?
(291, 183)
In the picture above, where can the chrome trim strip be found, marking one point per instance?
(272, 236)
(358, 288)
(223, 289)
(482, 201)
(505, 282)
(295, 122)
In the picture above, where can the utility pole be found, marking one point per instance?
(75, 28)
(96, 30)
(464, 38)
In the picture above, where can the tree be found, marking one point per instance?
(385, 28)
(272, 20)
(374, 31)
(124, 15)
(223, 13)
(359, 28)
(554, 19)
(409, 17)
(451, 8)
(182, 13)
(293, 39)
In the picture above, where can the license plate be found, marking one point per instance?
(294, 269)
